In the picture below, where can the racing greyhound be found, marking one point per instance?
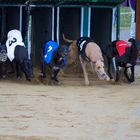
(88, 51)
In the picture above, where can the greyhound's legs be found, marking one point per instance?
(109, 60)
(126, 74)
(23, 67)
(54, 73)
(26, 67)
(18, 70)
(83, 64)
(1, 69)
(43, 69)
(91, 64)
(117, 73)
(132, 77)
(12, 68)
(5, 69)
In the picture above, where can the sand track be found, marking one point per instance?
(69, 111)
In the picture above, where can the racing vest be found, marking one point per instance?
(121, 47)
(81, 44)
(49, 48)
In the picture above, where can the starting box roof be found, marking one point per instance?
(60, 2)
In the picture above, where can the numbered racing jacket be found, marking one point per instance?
(52, 56)
(81, 44)
(14, 39)
(48, 50)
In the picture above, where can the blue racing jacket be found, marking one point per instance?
(49, 48)
(52, 55)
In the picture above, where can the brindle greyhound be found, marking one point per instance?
(88, 51)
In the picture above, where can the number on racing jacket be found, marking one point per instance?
(49, 48)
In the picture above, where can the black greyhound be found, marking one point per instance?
(23, 64)
(16, 52)
(125, 55)
(55, 57)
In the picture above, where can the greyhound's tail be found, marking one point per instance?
(67, 40)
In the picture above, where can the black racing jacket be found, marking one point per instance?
(81, 44)
(128, 54)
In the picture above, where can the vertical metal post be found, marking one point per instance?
(89, 19)
(29, 38)
(85, 21)
(118, 23)
(20, 19)
(58, 11)
(113, 28)
(27, 28)
(82, 21)
(52, 23)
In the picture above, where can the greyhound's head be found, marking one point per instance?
(63, 51)
(73, 50)
(99, 68)
(135, 49)
(132, 42)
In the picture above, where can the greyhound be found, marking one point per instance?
(125, 55)
(88, 51)
(55, 57)
(16, 52)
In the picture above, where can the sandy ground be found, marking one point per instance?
(70, 111)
